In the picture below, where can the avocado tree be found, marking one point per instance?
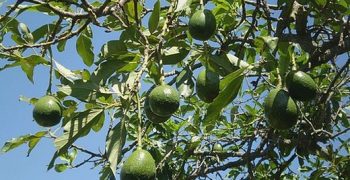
(189, 89)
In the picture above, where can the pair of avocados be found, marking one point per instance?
(161, 103)
(280, 109)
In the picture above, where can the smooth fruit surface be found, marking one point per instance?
(151, 116)
(301, 86)
(207, 86)
(202, 25)
(164, 100)
(47, 111)
(280, 109)
(139, 166)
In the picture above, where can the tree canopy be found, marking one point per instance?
(222, 127)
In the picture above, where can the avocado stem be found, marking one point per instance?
(139, 130)
(279, 78)
(202, 4)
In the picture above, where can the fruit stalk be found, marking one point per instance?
(161, 39)
(49, 91)
(202, 4)
(139, 130)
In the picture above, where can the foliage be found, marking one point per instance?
(255, 45)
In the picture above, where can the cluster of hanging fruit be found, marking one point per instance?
(280, 108)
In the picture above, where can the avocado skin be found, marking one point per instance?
(280, 110)
(207, 86)
(202, 25)
(47, 111)
(151, 116)
(140, 165)
(164, 100)
(301, 86)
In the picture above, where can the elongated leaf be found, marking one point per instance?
(229, 90)
(154, 18)
(34, 140)
(16, 142)
(79, 126)
(28, 64)
(65, 72)
(114, 144)
(231, 77)
(84, 91)
(182, 4)
(84, 48)
(184, 83)
(174, 55)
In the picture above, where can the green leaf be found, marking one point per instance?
(112, 50)
(114, 144)
(97, 127)
(84, 47)
(28, 64)
(106, 173)
(61, 45)
(123, 63)
(61, 167)
(154, 18)
(16, 142)
(184, 83)
(183, 4)
(229, 88)
(53, 159)
(174, 55)
(231, 77)
(34, 140)
(271, 42)
(84, 91)
(286, 52)
(66, 73)
(78, 126)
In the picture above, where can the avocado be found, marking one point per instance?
(139, 166)
(301, 86)
(164, 100)
(207, 86)
(202, 24)
(280, 110)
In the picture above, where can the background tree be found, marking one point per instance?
(255, 45)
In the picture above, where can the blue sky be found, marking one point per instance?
(16, 116)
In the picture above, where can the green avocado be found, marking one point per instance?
(164, 100)
(207, 86)
(301, 86)
(47, 111)
(280, 110)
(151, 116)
(202, 25)
(139, 166)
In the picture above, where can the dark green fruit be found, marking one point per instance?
(164, 100)
(207, 86)
(47, 111)
(151, 116)
(202, 25)
(217, 147)
(139, 166)
(301, 86)
(280, 110)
